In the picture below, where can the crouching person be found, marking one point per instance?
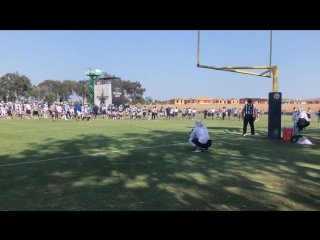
(199, 137)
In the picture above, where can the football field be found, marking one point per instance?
(145, 165)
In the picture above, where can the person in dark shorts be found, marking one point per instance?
(199, 137)
(309, 112)
(35, 112)
(9, 112)
(95, 111)
(248, 113)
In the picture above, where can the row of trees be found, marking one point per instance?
(151, 101)
(16, 87)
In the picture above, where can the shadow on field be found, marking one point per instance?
(235, 130)
(236, 174)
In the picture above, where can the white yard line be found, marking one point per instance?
(52, 127)
(40, 129)
(112, 151)
(92, 154)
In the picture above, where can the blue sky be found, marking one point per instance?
(165, 61)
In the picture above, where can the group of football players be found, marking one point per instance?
(67, 111)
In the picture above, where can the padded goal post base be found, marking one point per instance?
(274, 115)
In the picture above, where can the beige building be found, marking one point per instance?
(176, 101)
(206, 100)
(233, 101)
(254, 100)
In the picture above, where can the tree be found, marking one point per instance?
(34, 93)
(65, 89)
(82, 89)
(49, 90)
(53, 90)
(158, 102)
(149, 101)
(16, 86)
(3, 91)
(19, 87)
(133, 91)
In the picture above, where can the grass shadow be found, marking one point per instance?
(143, 170)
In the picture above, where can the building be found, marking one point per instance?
(176, 101)
(313, 101)
(190, 101)
(233, 101)
(299, 101)
(220, 101)
(254, 100)
(204, 100)
(199, 100)
(287, 101)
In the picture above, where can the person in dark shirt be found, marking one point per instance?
(205, 113)
(248, 113)
(319, 116)
(95, 111)
(168, 109)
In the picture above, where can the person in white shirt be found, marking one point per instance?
(172, 112)
(176, 112)
(28, 110)
(301, 120)
(45, 110)
(189, 113)
(309, 113)
(59, 110)
(194, 112)
(2, 110)
(199, 137)
(212, 114)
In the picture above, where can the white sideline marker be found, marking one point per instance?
(92, 154)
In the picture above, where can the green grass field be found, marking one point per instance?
(148, 165)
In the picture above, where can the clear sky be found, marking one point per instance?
(165, 61)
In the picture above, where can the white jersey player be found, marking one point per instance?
(199, 137)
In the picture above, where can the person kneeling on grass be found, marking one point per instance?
(199, 137)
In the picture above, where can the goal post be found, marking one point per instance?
(275, 97)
